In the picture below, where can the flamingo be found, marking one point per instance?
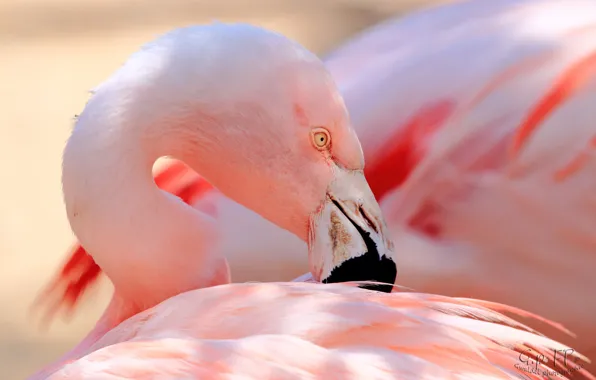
(282, 112)
(476, 124)
(246, 136)
(482, 166)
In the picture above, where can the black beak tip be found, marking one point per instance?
(368, 267)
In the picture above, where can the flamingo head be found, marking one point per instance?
(284, 147)
(260, 118)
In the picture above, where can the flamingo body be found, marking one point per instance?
(309, 331)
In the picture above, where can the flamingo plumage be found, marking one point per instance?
(473, 190)
(475, 121)
(312, 331)
(275, 330)
(474, 118)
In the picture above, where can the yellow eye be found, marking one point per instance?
(321, 138)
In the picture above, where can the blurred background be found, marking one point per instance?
(51, 53)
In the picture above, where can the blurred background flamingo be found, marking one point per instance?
(475, 123)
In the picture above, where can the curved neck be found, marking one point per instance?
(149, 243)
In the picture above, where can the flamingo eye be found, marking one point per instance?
(321, 138)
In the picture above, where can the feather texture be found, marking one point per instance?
(313, 331)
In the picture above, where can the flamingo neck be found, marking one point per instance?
(149, 243)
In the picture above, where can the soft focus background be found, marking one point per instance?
(51, 53)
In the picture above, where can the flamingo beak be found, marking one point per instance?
(348, 238)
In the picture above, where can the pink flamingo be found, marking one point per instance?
(276, 138)
(282, 113)
(474, 119)
(481, 111)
